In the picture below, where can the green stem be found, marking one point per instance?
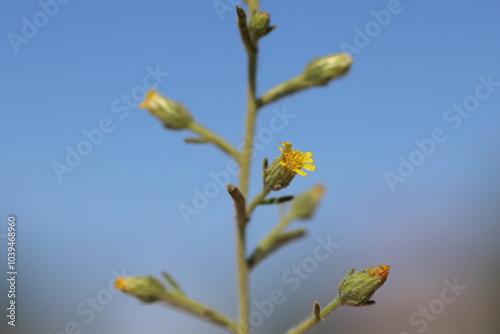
(276, 200)
(279, 241)
(244, 295)
(191, 306)
(239, 203)
(253, 5)
(246, 160)
(283, 89)
(257, 200)
(270, 238)
(250, 123)
(209, 136)
(272, 241)
(314, 319)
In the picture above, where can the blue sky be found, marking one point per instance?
(420, 107)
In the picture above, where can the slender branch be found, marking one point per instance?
(244, 294)
(173, 283)
(245, 163)
(274, 240)
(276, 200)
(317, 311)
(254, 6)
(245, 34)
(283, 89)
(189, 305)
(209, 136)
(251, 103)
(201, 140)
(257, 200)
(250, 124)
(276, 231)
(279, 241)
(314, 318)
(319, 72)
(239, 203)
(242, 219)
(265, 164)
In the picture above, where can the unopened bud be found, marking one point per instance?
(357, 288)
(147, 289)
(322, 70)
(304, 205)
(259, 24)
(173, 114)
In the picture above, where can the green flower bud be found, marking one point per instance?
(173, 114)
(259, 25)
(304, 205)
(322, 70)
(357, 288)
(281, 172)
(147, 289)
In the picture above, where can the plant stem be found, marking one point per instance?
(209, 136)
(239, 203)
(270, 238)
(246, 161)
(257, 200)
(314, 319)
(244, 297)
(281, 240)
(283, 89)
(253, 5)
(250, 124)
(191, 306)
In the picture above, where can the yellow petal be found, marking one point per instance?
(300, 172)
(308, 155)
(312, 168)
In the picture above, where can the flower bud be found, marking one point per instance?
(304, 205)
(147, 289)
(357, 288)
(321, 70)
(173, 114)
(281, 172)
(259, 24)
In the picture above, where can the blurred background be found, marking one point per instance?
(88, 210)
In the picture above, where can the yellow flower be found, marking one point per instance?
(281, 172)
(295, 159)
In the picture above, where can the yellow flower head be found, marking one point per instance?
(281, 172)
(295, 159)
